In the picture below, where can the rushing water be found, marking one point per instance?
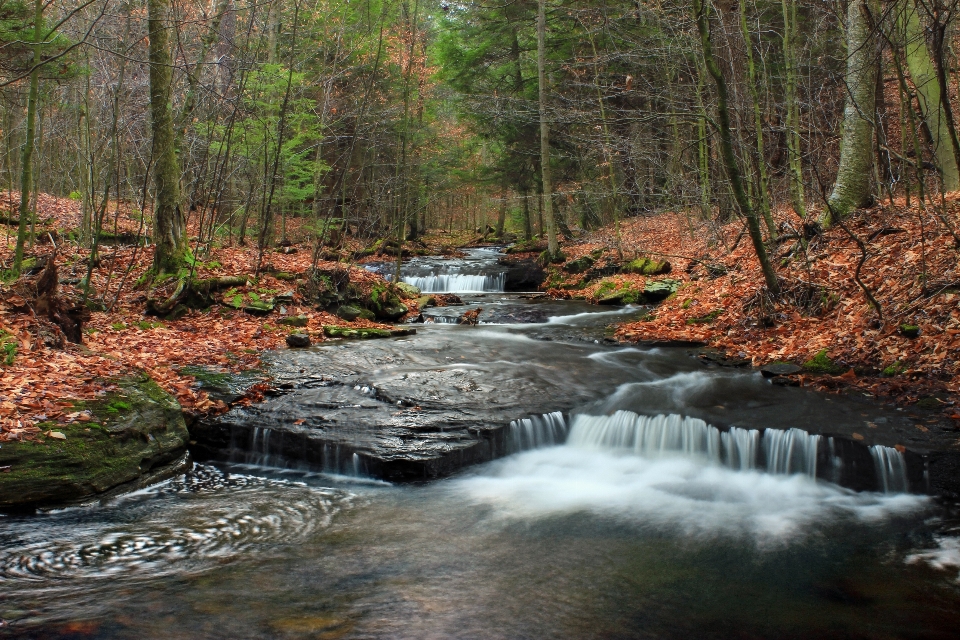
(670, 502)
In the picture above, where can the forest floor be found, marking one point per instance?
(823, 321)
(41, 375)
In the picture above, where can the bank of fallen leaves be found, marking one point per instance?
(42, 383)
(911, 269)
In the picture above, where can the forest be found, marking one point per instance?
(384, 241)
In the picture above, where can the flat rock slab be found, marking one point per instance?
(780, 369)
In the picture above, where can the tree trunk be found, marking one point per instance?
(726, 147)
(852, 188)
(794, 161)
(168, 220)
(924, 75)
(547, 197)
(26, 172)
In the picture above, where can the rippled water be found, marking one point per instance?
(551, 543)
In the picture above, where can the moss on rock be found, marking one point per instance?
(134, 430)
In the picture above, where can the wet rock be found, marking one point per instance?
(776, 369)
(719, 358)
(449, 299)
(426, 301)
(518, 314)
(294, 321)
(522, 275)
(298, 340)
(365, 333)
(785, 381)
(393, 313)
(133, 434)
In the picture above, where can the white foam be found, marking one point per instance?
(682, 494)
(945, 556)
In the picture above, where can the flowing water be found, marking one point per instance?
(657, 499)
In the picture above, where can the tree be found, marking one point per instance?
(26, 171)
(852, 187)
(726, 147)
(550, 225)
(168, 218)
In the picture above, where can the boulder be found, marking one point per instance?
(126, 438)
(522, 275)
(295, 321)
(407, 291)
(394, 312)
(349, 312)
(298, 340)
(657, 290)
(426, 301)
(579, 265)
(647, 267)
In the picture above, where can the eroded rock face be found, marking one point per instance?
(131, 434)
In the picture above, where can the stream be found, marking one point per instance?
(524, 478)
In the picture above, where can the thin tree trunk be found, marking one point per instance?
(726, 146)
(794, 150)
(550, 227)
(26, 171)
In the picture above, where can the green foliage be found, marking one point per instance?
(706, 319)
(894, 369)
(9, 346)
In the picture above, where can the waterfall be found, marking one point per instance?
(259, 453)
(645, 435)
(536, 431)
(785, 452)
(891, 468)
(740, 448)
(457, 283)
(791, 451)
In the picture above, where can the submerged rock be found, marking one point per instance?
(136, 433)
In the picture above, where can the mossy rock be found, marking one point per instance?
(647, 267)
(579, 265)
(285, 275)
(657, 290)
(707, 319)
(294, 321)
(426, 301)
(821, 363)
(333, 331)
(407, 291)
(909, 330)
(894, 369)
(135, 432)
(349, 312)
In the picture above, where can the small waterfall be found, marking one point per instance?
(740, 448)
(791, 451)
(785, 452)
(458, 283)
(891, 468)
(645, 435)
(259, 452)
(536, 431)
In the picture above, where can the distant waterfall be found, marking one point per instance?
(784, 452)
(457, 283)
(891, 468)
(536, 431)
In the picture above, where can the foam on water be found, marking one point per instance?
(945, 556)
(679, 493)
(457, 283)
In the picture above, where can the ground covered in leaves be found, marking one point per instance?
(41, 375)
(909, 348)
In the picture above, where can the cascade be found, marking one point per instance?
(536, 431)
(791, 451)
(457, 283)
(891, 468)
(785, 452)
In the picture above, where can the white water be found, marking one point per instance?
(536, 431)
(457, 283)
(891, 469)
(679, 493)
(791, 451)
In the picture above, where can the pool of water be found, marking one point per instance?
(558, 542)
